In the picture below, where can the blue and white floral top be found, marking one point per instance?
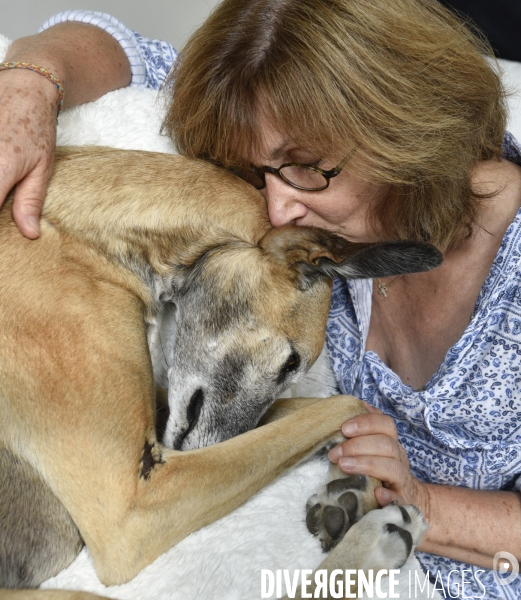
(464, 428)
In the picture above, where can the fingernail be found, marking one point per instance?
(385, 495)
(335, 453)
(34, 224)
(347, 462)
(349, 429)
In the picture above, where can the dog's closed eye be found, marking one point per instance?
(290, 366)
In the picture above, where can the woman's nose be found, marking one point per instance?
(283, 202)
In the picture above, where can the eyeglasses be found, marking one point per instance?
(302, 177)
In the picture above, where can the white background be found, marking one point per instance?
(170, 20)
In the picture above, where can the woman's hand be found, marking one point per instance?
(29, 104)
(88, 62)
(459, 517)
(373, 449)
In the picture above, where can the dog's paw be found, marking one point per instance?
(338, 506)
(386, 538)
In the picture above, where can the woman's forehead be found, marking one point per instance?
(273, 142)
(276, 145)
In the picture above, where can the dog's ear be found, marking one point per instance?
(315, 253)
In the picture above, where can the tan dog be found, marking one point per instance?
(137, 243)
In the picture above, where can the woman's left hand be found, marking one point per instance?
(373, 449)
(459, 517)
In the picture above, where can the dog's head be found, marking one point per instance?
(247, 321)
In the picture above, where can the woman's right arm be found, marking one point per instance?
(88, 62)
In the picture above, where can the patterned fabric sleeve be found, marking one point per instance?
(150, 60)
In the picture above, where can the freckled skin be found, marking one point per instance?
(27, 142)
(88, 63)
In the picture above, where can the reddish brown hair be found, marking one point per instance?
(405, 81)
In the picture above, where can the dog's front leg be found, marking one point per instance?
(287, 406)
(180, 492)
(343, 501)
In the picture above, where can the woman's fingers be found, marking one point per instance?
(28, 201)
(385, 496)
(395, 475)
(368, 424)
(386, 469)
(27, 142)
(367, 445)
(373, 448)
(378, 455)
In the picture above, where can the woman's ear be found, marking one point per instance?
(314, 253)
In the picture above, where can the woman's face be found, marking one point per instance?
(343, 207)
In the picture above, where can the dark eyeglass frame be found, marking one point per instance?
(260, 172)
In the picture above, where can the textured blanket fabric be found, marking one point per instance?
(222, 561)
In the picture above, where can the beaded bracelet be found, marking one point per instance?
(41, 71)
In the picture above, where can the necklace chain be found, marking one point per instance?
(383, 287)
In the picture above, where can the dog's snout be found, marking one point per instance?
(193, 411)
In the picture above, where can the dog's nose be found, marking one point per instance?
(194, 409)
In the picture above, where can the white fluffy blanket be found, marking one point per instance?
(222, 561)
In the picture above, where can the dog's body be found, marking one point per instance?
(235, 312)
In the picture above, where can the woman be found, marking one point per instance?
(396, 105)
